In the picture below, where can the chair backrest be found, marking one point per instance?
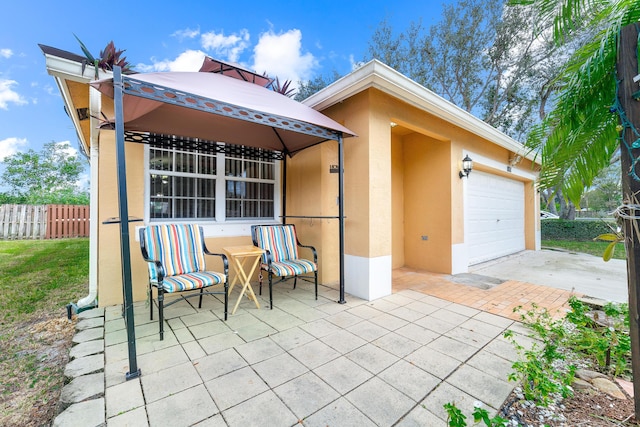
(280, 240)
(177, 246)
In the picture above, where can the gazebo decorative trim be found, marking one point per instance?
(202, 146)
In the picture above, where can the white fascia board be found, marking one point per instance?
(72, 70)
(375, 74)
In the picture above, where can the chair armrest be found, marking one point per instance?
(315, 253)
(225, 261)
(267, 254)
(145, 256)
(159, 268)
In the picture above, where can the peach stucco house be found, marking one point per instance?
(406, 204)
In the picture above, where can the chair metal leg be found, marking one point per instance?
(260, 281)
(161, 312)
(295, 281)
(150, 302)
(201, 294)
(316, 276)
(271, 290)
(226, 298)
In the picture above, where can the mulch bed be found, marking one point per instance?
(585, 408)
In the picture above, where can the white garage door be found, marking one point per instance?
(494, 217)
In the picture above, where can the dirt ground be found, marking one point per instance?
(33, 355)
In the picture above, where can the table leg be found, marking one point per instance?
(245, 279)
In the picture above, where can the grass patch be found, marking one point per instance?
(38, 278)
(41, 275)
(587, 247)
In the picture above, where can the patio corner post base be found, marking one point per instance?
(133, 375)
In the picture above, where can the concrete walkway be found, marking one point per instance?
(393, 361)
(581, 273)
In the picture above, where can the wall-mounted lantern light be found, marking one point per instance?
(467, 166)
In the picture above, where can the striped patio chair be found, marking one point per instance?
(281, 257)
(175, 256)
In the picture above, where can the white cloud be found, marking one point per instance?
(226, 47)
(6, 53)
(187, 33)
(280, 55)
(7, 94)
(84, 182)
(189, 60)
(11, 146)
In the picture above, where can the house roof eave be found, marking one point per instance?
(67, 67)
(375, 74)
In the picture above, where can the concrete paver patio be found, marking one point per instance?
(392, 361)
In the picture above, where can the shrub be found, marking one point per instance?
(561, 229)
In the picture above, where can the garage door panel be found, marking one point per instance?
(494, 215)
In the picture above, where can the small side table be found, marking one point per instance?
(244, 260)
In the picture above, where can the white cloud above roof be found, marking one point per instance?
(280, 55)
(189, 60)
(11, 146)
(6, 53)
(9, 95)
(228, 48)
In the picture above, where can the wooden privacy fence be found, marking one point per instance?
(43, 221)
(67, 221)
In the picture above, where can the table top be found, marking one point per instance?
(244, 250)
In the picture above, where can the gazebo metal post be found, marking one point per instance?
(284, 189)
(341, 213)
(125, 250)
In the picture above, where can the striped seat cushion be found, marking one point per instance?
(291, 267)
(177, 246)
(280, 240)
(189, 281)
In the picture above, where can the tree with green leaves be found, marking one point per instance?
(490, 60)
(605, 195)
(49, 176)
(309, 87)
(596, 115)
(483, 56)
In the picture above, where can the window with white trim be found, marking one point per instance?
(190, 184)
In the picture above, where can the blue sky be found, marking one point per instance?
(295, 40)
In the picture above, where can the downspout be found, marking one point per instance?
(91, 300)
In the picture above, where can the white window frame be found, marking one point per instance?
(219, 227)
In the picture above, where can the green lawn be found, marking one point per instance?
(588, 247)
(41, 275)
